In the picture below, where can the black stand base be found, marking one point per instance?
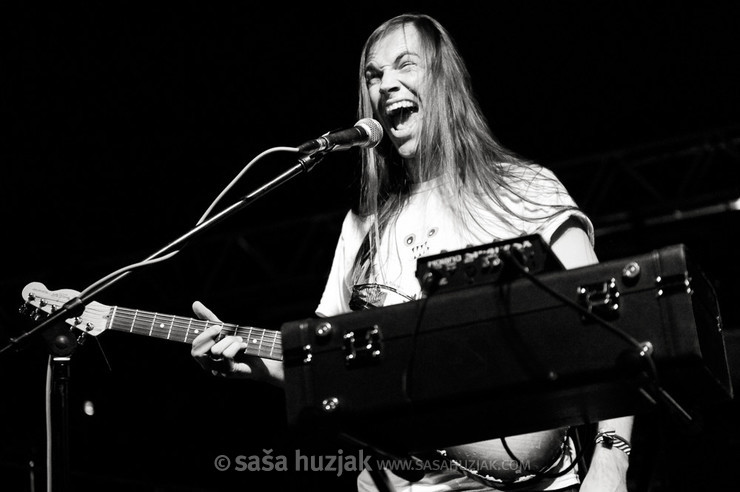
(60, 370)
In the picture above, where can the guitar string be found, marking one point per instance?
(180, 323)
(161, 324)
(167, 324)
(259, 341)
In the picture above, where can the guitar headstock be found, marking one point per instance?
(41, 302)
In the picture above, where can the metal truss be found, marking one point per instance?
(660, 182)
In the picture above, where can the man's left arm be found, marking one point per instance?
(608, 470)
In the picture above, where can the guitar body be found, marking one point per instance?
(502, 462)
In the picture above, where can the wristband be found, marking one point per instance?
(610, 439)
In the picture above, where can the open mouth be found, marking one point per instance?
(398, 113)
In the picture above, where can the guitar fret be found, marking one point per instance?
(133, 321)
(259, 349)
(169, 331)
(250, 339)
(187, 331)
(162, 325)
(272, 348)
(154, 320)
(112, 315)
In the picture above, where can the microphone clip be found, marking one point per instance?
(308, 161)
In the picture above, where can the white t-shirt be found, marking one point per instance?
(426, 226)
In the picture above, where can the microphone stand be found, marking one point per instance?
(62, 343)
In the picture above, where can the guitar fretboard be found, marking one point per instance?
(260, 342)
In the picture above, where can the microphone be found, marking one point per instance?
(366, 133)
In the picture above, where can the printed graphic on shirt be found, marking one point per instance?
(419, 244)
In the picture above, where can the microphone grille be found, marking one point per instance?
(374, 131)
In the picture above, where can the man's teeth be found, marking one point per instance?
(399, 105)
(399, 112)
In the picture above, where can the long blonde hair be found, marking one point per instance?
(455, 142)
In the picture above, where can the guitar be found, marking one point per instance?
(98, 317)
(497, 463)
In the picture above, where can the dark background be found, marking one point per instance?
(123, 122)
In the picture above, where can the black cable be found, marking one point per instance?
(547, 474)
(642, 351)
(408, 371)
(582, 452)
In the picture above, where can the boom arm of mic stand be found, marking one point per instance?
(76, 306)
